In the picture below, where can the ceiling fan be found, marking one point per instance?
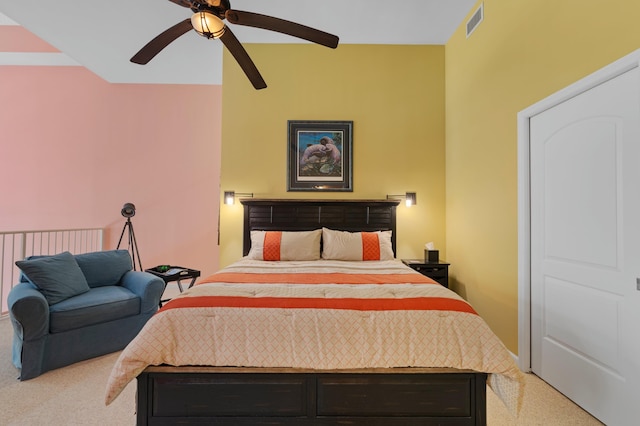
(207, 20)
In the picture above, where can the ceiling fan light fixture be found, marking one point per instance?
(208, 20)
(207, 24)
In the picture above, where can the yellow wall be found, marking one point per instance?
(522, 52)
(393, 94)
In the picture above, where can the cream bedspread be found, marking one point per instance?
(320, 338)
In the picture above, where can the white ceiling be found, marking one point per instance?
(103, 35)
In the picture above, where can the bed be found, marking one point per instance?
(316, 341)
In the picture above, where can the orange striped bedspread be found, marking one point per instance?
(320, 315)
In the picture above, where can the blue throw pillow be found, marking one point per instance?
(57, 277)
(103, 268)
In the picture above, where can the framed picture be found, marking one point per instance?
(320, 156)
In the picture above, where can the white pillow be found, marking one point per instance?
(344, 245)
(285, 245)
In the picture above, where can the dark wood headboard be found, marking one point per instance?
(307, 215)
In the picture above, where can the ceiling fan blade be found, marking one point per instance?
(151, 49)
(243, 59)
(265, 22)
(183, 3)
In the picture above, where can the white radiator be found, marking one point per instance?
(18, 245)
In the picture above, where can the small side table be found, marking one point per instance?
(437, 271)
(174, 273)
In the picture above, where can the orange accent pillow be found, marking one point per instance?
(271, 250)
(285, 245)
(370, 246)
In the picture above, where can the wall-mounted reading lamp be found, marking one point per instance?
(230, 196)
(411, 199)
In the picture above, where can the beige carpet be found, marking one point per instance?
(74, 395)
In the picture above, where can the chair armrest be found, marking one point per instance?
(146, 286)
(29, 308)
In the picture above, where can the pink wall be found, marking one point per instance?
(17, 39)
(74, 149)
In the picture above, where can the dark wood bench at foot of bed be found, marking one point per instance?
(279, 396)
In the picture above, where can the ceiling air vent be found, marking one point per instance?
(475, 20)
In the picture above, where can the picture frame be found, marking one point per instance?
(320, 156)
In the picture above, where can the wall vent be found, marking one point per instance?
(475, 20)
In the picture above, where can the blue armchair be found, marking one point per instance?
(69, 308)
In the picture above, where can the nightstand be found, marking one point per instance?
(437, 271)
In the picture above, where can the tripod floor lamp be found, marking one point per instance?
(128, 211)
